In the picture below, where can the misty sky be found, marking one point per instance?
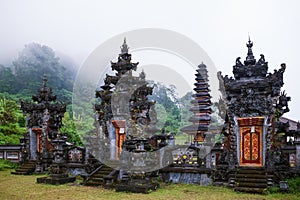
(221, 28)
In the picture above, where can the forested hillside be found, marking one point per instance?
(23, 78)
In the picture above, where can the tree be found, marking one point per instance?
(8, 109)
(166, 97)
(36, 60)
(12, 123)
(70, 130)
(185, 105)
(7, 80)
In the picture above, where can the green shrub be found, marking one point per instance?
(273, 190)
(294, 185)
(6, 164)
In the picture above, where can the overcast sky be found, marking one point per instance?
(221, 28)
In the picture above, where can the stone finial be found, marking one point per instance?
(124, 47)
(250, 57)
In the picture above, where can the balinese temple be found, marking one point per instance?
(260, 147)
(127, 122)
(44, 118)
(124, 109)
(45, 148)
(201, 106)
(252, 158)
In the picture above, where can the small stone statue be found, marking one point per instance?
(262, 59)
(238, 62)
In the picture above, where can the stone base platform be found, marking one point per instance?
(137, 186)
(55, 180)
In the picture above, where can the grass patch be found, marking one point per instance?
(25, 187)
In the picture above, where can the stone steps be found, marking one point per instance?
(249, 171)
(256, 176)
(251, 190)
(26, 169)
(251, 180)
(252, 185)
(125, 177)
(97, 178)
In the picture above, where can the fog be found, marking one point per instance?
(221, 28)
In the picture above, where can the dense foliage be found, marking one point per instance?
(294, 185)
(167, 106)
(12, 123)
(70, 130)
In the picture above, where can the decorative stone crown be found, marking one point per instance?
(250, 68)
(44, 93)
(253, 91)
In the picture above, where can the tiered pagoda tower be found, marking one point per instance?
(201, 106)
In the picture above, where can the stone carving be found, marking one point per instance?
(45, 100)
(282, 104)
(253, 91)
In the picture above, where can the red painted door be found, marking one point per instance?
(251, 146)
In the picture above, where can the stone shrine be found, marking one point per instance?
(254, 104)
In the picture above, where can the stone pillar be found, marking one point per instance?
(46, 116)
(208, 161)
(112, 139)
(213, 159)
(298, 153)
(87, 151)
(33, 145)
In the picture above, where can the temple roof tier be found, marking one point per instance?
(194, 129)
(200, 118)
(201, 95)
(200, 109)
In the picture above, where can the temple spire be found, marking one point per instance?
(250, 57)
(45, 81)
(124, 47)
